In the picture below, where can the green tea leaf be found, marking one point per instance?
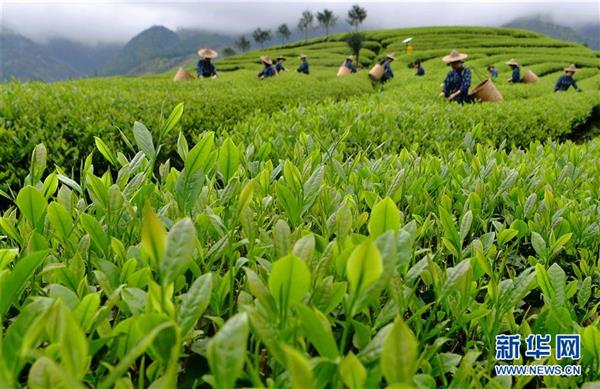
(318, 331)
(12, 284)
(143, 139)
(353, 373)
(96, 232)
(39, 157)
(153, 236)
(194, 303)
(133, 354)
(539, 245)
(301, 375)
(180, 245)
(229, 159)
(226, 351)
(199, 156)
(60, 219)
(385, 216)
(172, 121)
(364, 267)
(289, 281)
(399, 356)
(106, 152)
(33, 205)
(584, 292)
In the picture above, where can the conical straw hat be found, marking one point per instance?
(266, 59)
(182, 75)
(281, 57)
(391, 56)
(571, 68)
(207, 53)
(349, 58)
(302, 55)
(454, 56)
(512, 62)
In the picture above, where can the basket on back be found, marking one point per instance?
(530, 77)
(343, 71)
(182, 75)
(376, 72)
(486, 91)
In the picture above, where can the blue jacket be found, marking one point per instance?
(303, 68)
(279, 67)
(420, 71)
(516, 75)
(387, 70)
(458, 80)
(350, 66)
(494, 73)
(268, 71)
(565, 82)
(205, 68)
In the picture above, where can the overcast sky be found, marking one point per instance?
(118, 21)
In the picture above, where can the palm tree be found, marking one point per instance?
(356, 15)
(242, 43)
(228, 52)
(355, 40)
(284, 33)
(261, 36)
(327, 20)
(306, 22)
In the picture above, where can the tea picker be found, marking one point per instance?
(382, 71)
(516, 71)
(420, 70)
(303, 68)
(566, 81)
(408, 48)
(205, 68)
(458, 80)
(347, 67)
(279, 64)
(268, 70)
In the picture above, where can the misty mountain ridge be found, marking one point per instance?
(26, 60)
(588, 35)
(158, 48)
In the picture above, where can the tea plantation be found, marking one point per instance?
(304, 231)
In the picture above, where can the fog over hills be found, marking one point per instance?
(159, 48)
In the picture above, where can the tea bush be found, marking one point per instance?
(319, 270)
(302, 231)
(67, 116)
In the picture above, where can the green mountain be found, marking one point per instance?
(591, 32)
(87, 59)
(554, 30)
(158, 49)
(24, 59)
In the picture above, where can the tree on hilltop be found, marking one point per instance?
(305, 24)
(284, 33)
(242, 43)
(326, 20)
(261, 36)
(356, 15)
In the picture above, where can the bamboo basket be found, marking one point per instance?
(376, 72)
(343, 71)
(182, 75)
(486, 91)
(530, 77)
